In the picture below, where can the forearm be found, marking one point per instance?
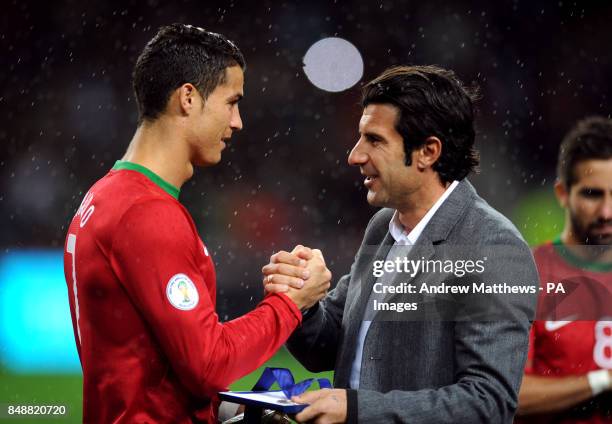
(315, 342)
(208, 356)
(552, 394)
(245, 343)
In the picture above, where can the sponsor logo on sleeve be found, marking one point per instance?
(182, 293)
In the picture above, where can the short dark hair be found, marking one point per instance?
(590, 138)
(431, 102)
(180, 54)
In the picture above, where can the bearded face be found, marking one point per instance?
(589, 202)
(591, 233)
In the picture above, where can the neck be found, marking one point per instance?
(592, 253)
(417, 204)
(159, 147)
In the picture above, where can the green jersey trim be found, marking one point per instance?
(576, 261)
(163, 184)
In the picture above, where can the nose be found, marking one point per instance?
(236, 120)
(358, 156)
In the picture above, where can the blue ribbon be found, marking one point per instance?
(286, 382)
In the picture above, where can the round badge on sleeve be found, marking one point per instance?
(182, 293)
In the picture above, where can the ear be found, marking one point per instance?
(561, 193)
(429, 153)
(188, 98)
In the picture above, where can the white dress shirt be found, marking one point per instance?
(401, 237)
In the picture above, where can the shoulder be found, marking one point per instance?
(378, 225)
(381, 218)
(154, 219)
(544, 251)
(485, 225)
(547, 259)
(157, 211)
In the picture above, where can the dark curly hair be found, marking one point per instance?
(180, 54)
(431, 102)
(590, 138)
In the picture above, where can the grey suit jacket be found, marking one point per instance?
(426, 371)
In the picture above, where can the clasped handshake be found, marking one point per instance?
(301, 274)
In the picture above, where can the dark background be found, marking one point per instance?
(68, 113)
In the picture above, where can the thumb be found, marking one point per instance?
(302, 252)
(307, 397)
(319, 254)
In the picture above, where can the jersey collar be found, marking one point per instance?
(578, 262)
(163, 184)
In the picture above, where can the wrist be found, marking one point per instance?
(599, 381)
(305, 311)
(299, 303)
(273, 298)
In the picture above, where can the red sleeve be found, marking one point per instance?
(154, 241)
(530, 352)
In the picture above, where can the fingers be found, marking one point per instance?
(276, 275)
(276, 288)
(298, 256)
(278, 279)
(318, 253)
(308, 397)
(288, 270)
(311, 411)
(287, 258)
(320, 271)
(292, 271)
(302, 252)
(307, 414)
(317, 265)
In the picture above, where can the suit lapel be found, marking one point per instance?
(369, 280)
(449, 213)
(436, 231)
(355, 310)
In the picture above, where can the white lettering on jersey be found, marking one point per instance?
(86, 209)
(71, 250)
(602, 353)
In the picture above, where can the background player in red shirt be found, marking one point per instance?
(568, 376)
(141, 282)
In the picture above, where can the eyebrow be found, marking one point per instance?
(372, 134)
(592, 190)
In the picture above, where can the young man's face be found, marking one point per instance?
(589, 202)
(214, 124)
(380, 155)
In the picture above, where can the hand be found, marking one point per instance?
(286, 270)
(327, 406)
(314, 285)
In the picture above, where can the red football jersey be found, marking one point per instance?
(564, 346)
(142, 298)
